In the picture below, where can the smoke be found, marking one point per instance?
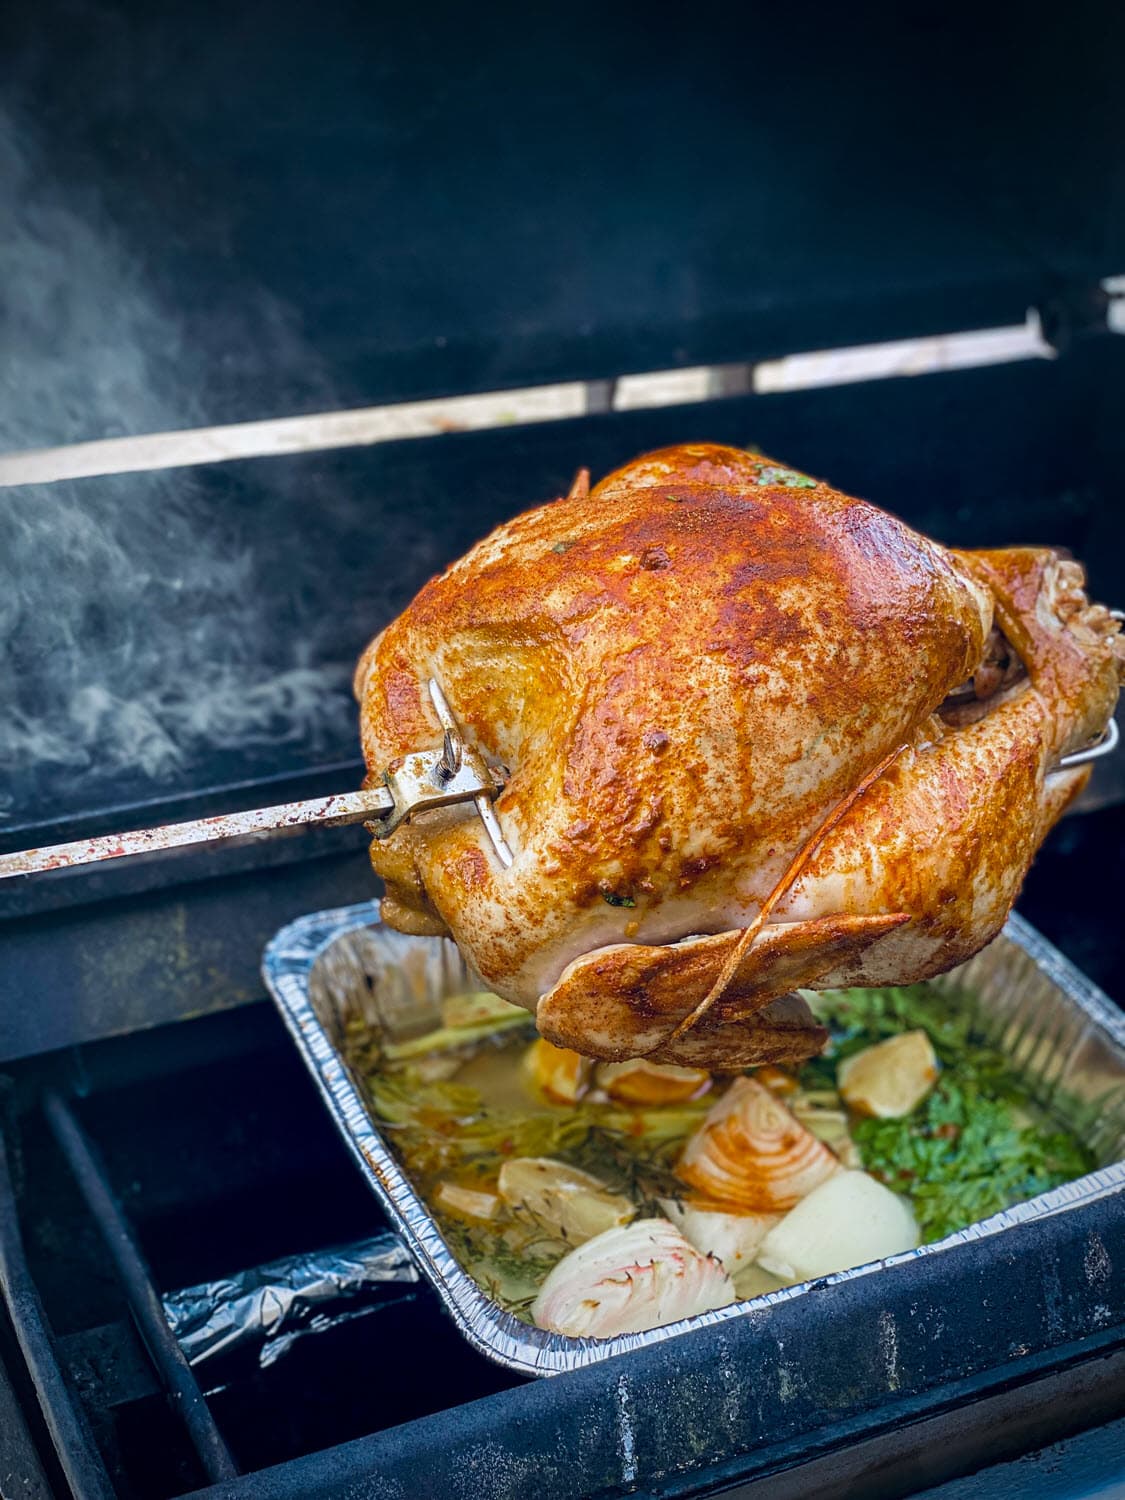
(142, 625)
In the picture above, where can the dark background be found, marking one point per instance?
(337, 204)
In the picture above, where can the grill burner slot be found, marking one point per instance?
(65, 1421)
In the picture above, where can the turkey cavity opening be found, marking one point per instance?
(1000, 669)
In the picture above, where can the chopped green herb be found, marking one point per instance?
(611, 898)
(978, 1143)
(788, 478)
(962, 1155)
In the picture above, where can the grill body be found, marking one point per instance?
(218, 216)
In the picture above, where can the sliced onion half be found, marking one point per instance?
(752, 1154)
(648, 1083)
(628, 1280)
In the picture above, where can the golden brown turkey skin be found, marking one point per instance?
(688, 671)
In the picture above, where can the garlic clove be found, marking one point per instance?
(890, 1079)
(573, 1203)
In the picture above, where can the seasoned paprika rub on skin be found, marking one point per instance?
(689, 670)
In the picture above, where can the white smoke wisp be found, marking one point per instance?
(139, 628)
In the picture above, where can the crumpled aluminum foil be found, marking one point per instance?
(269, 1307)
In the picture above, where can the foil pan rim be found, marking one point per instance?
(287, 966)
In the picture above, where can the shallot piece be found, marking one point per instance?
(628, 1280)
(751, 1155)
(712, 1228)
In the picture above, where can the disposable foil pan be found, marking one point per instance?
(330, 968)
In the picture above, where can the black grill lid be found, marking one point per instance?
(295, 207)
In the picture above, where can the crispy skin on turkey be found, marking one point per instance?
(690, 671)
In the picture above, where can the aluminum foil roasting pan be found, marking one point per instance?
(331, 968)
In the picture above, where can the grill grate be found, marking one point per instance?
(140, 1291)
(66, 1423)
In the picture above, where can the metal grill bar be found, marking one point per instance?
(77, 1454)
(137, 1283)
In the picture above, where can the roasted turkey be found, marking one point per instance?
(759, 736)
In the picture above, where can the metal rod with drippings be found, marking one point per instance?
(419, 782)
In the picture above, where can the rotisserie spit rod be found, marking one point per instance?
(418, 782)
